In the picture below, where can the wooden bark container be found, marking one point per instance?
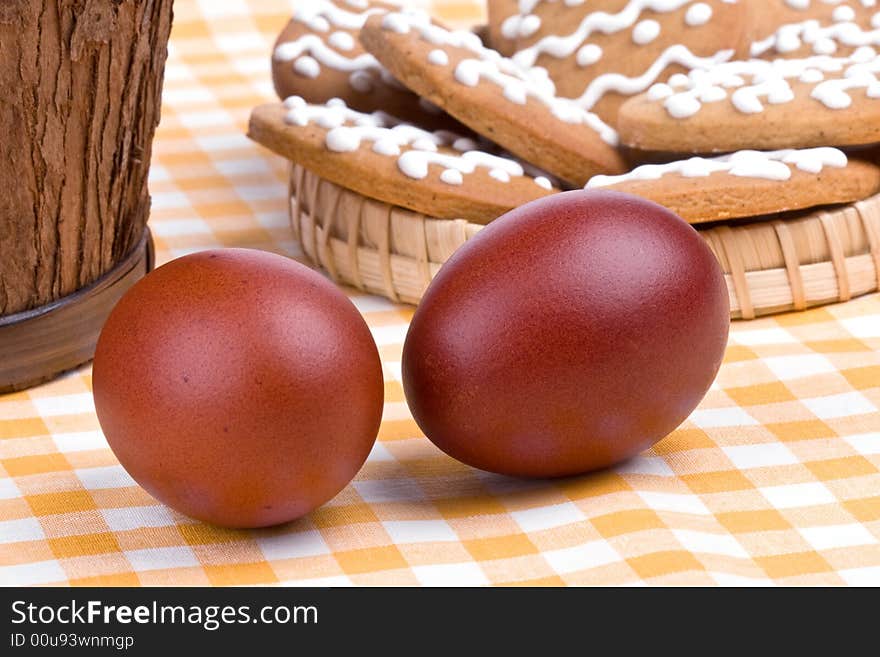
(81, 88)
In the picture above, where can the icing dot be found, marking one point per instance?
(660, 91)
(424, 144)
(681, 106)
(361, 81)
(386, 147)
(463, 144)
(529, 25)
(341, 41)
(712, 94)
(645, 31)
(825, 46)
(542, 181)
(698, 14)
(875, 21)
(812, 76)
(452, 177)
(396, 23)
(589, 54)
(438, 57)
(843, 14)
(679, 80)
(500, 175)
(307, 67)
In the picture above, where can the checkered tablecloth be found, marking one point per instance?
(775, 479)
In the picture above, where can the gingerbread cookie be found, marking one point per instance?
(817, 29)
(440, 174)
(505, 25)
(318, 56)
(749, 183)
(604, 51)
(515, 108)
(797, 103)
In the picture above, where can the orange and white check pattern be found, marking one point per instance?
(775, 479)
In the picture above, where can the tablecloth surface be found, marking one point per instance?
(775, 479)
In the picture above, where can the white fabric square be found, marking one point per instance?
(32, 574)
(25, 529)
(179, 226)
(675, 502)
(451, 574)
(548, 517)
(646, 465)
(389, 490)
(80, 441)
(297, 545)
(791, 496)
(76, 404)
(205, 118)
(760, 456)
(706, 543)
(322, 582)
(168, 201)
(136, 517)
(843, 405)
(733, 416)
(390, 334)
(830, 537)
(865, 443)
(726, 579)
(861, 576)
(799, 366)
(161, 557)
(111, 476)
(762, 337)
(581, 557)
(866, 326)
(380, 453)
(8, 489)
(420, 531)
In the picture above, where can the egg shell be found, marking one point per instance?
(571, 334)
(238, 387)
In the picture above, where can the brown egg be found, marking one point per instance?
(238, 387)
(570, 334)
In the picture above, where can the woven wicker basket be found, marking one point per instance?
(770, 266)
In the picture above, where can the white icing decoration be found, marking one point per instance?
(361, 81)
(541, 181)
(756, 80)
(520, 26)
(823, 40)
(452, 177)
(598, 21)
(803, 5)
(438, 57)
(517, 84)
(341, 41)
(348, 129)
(843, 14)
(645, 32)
(615, 82)
(314, 46)
(772, 165)
(589, 54)
(698, 14)
(307, 66)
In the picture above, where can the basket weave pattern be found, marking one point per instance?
(774, 266)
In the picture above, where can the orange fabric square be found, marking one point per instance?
(863, 378)
(349, 514)
(121, 579)
(744, 522)
(500, 547)
(22, 428)
(805, 430)
(657, 564)
(66, 502)
(866, 510)
(83, 545)
(683, 440)
(791, 565)
(627, 522)
(764, 393)
(843, 468)
(717, 482)
(371, 559)
(29, 465)
(241, 573)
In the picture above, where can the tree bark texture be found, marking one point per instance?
(80, 92)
